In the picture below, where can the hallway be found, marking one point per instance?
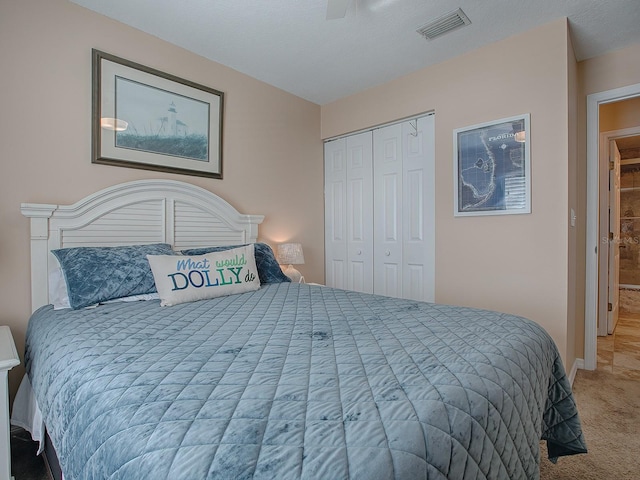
(619, 353)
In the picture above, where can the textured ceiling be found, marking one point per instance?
(291, 45)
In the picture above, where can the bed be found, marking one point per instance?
(281, 380)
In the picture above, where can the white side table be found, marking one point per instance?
(8, 359)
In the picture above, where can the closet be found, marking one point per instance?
(380, 210)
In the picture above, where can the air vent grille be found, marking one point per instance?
(444, 24)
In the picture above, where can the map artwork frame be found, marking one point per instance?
(148, 119)
(492, 167)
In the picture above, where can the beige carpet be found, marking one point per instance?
(609, 407)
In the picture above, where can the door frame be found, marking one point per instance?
(592, 228)
(613, 271)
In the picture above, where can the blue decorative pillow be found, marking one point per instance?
(98, 274)
(268, 268)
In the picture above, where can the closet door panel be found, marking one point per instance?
(357, 250)
(389, 208)
(388, 188)
(336, 274)
(414, 205)
(418, 216)
(359, 210)
(335, 213)
(414, 281)
(389, 281)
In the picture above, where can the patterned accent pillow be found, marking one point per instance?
(98, 274)
(187, 278)
(268, 268)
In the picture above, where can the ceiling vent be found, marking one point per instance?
(444, 24)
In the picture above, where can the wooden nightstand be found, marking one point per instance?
(8, 359)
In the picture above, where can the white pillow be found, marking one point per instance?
(58, 294)
(187, 278)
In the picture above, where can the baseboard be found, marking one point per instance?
(577, 364)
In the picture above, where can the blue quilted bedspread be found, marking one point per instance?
(298, 381)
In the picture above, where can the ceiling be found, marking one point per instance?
(628, 143)
(291, 45)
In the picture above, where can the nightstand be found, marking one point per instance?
(8, 359)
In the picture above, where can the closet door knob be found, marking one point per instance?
(387, 253)
(359, 252)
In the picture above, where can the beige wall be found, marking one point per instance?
(272, 147)
(512, 263)
(620, 115)
(613, 70)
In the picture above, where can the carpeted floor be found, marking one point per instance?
(609, 406)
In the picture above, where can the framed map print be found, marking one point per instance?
(492, 168)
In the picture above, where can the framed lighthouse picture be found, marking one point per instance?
(145, 118)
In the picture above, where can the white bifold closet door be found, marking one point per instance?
(349, 213)
(380, 210)
(404, 213)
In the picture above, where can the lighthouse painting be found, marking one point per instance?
(144, 118)
(161, 122)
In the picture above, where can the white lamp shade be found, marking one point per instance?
(290, 254)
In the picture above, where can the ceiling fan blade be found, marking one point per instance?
(337, 9)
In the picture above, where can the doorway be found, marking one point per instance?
(593, 240)
(618, 349)
(629, 272)
(619, 199)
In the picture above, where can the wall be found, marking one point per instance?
(512, 263)
(613, 70)
(620, 115)
(272, 150)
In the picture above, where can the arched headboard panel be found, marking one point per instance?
(139, 212)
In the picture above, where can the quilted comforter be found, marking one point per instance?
(298, 381)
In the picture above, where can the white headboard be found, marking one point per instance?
(139, 212)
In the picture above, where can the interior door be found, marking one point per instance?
(388, 187)
(335, 226)
(348, 219)
(359, 213)
(614, 236)
(418, 212)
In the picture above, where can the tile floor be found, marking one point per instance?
(619, 353)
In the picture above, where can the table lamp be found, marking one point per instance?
(291, 254)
